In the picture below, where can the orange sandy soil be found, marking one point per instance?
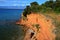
(46, 27)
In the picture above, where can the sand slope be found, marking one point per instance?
(39, 25)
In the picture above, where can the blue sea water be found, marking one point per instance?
(10, 31)
(10, 14)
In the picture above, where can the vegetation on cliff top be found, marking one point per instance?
(48, 6)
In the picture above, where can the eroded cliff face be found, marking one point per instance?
(37, 27)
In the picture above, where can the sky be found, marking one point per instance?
(19, 2)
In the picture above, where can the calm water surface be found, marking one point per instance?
(9, 30)
(10, 14)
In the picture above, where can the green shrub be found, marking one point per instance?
(48, 6)
(37, 26)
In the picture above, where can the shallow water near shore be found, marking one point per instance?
(11, 31)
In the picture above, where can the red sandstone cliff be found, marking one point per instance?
(37, 27)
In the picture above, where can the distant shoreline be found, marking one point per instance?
(11, 9)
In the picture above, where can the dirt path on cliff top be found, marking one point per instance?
(46, 27)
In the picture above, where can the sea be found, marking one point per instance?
(9, 30)
(10, 14)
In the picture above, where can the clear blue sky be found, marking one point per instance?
(18, 2)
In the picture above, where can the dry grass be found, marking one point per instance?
(56, 18)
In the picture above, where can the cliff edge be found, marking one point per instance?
(37, 27)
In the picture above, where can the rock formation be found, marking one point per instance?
(37, 27)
